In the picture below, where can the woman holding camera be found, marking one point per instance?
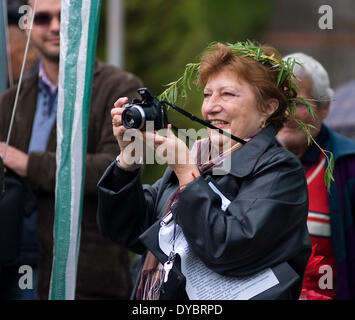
(200, 230)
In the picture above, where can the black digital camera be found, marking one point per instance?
(137, 113)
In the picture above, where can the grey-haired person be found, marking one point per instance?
(331, 270)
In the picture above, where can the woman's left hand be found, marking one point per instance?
(173, 151)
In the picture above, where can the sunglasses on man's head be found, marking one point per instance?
(44, 18)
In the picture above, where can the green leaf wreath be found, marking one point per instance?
(181, 87)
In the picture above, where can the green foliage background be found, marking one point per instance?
(162, 36)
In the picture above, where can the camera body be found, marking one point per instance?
(137, 113)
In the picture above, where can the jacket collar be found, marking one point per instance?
(338, 144)
(243, 160)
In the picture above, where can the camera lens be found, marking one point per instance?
(130, 118)
(133, 117)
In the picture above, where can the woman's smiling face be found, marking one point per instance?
(231, 104)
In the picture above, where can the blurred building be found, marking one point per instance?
(294, 26)
(342, 110)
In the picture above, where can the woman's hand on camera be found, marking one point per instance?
(175, 152)
(119, 132)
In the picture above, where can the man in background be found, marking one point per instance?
(103, 267)
(330, 273)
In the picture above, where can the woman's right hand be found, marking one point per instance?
(119, 131)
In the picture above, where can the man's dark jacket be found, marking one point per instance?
(103, 267)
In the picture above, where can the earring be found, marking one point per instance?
(263, 124)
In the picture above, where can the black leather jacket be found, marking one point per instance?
(264, 225)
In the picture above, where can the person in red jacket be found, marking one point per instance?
(330, 273)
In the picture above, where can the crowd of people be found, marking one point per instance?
(200, 230)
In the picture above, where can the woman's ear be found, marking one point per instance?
(271, 105)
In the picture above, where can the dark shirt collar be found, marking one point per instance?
(312, 154)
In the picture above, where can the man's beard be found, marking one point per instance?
(51, 57)
(46, 54)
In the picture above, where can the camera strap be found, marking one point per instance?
(203, 122)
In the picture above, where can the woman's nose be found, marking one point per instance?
(212, 104)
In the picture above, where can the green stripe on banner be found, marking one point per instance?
(79, 28)
(63, 193)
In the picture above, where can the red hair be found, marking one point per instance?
(262, 77)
